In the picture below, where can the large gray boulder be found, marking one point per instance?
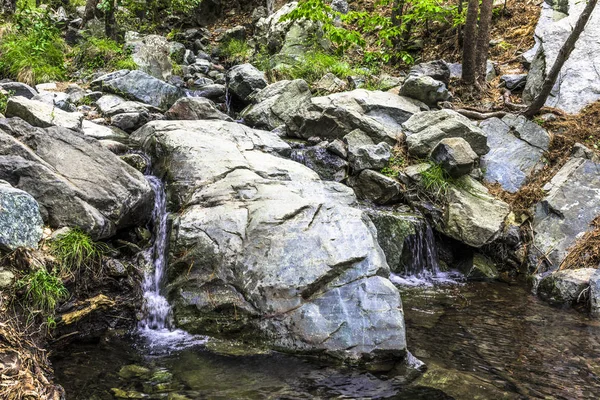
(564, 215)
(19, 89)
(41, 114)
(425, 130)
(276, 104)
(138, 85)
(472, 215)
(378, 114)
(151, 53)
(262, 248)
(195, 108)
(74, 179)
(375, 187)
(244, 80)
(578, 83)
(21, 223)
(517, 146)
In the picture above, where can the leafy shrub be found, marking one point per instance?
(236, 50)
(315, 64)
(32, 50)
(76, 251)
(43, 291)
(101, 53)
(4, 101)
(394, 165)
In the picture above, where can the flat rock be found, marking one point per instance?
(42, 115)
(571, 204)
(195, 108)
(19, 89)
(565, 287)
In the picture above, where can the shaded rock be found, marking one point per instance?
(456, 71)
(59, 100)
(138, 85)
(426, 89)
(437, 69)
(425, 130)
(455, 156)
(571, 204)
(472, 215)
(19, 89)
(177, 52)
(129, 122)
(216, 92)
(244, 80)
(481, 268)
(277, 104)
(236, 33)
(328, 166)
(191, 108)
(364, 154)
(516, 151)
(376, 187)
(21, 223)
(338, 148)
(75, 181)
(514, 82)
(41, 114)
(595, 293)
(254, 239)
(565, 287)
(578, 83)
(137, 161)
(377, 114)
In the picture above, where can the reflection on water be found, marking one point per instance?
(480, 341)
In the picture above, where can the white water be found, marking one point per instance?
(423, 268)
(157, 325)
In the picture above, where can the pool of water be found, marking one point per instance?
(479, 340)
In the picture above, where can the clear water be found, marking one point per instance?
(481, 340)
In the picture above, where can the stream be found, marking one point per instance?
(480, 340)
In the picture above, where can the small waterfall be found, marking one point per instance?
(158, 311)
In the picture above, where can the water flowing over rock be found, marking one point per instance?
(262, 247)
(517, 146)
(140, 86)
(425, 130)
(20, 220)
(76, 181)
(571, 204)
(378, 114)
(42, 115)
(578, 83)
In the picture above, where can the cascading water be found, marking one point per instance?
(158, 311)
(421, 267)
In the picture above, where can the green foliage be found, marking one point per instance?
(236, 51)
(4, 100)
(43, 291)
(101, 53)
(315, 64)
(435, 180)
(394, 165)
(75, 251)
(33, 51)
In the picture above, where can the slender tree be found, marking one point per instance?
(110, 22)
(470, 32)
(563, 55)
(482, 47)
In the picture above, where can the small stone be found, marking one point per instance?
(425, 89)
(514, 82)
(455, 155)
(134, 371)
(137, 161)
(338, 148)
(6, 279)
(20, 219)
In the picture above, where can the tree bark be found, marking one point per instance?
(397, 12)
(110, 27)
(470, 31)
(91, 11)
(482, 47)
(563, 56)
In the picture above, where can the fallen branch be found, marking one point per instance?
(479, 115)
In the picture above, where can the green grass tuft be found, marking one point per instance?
(101, 53)
(435, 180)
(43, 291)
(236, 51)
(76, 251)
(315, 64)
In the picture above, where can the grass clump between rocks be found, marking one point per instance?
(101, 53)
(236, 51)
(76, 252)
(43, 291)
(315, 64)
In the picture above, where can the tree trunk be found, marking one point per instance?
(7, 7)
(470, 31)
(563, 56)
(397, 12)
(91, 11)
(482, 47)
(110, 21)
